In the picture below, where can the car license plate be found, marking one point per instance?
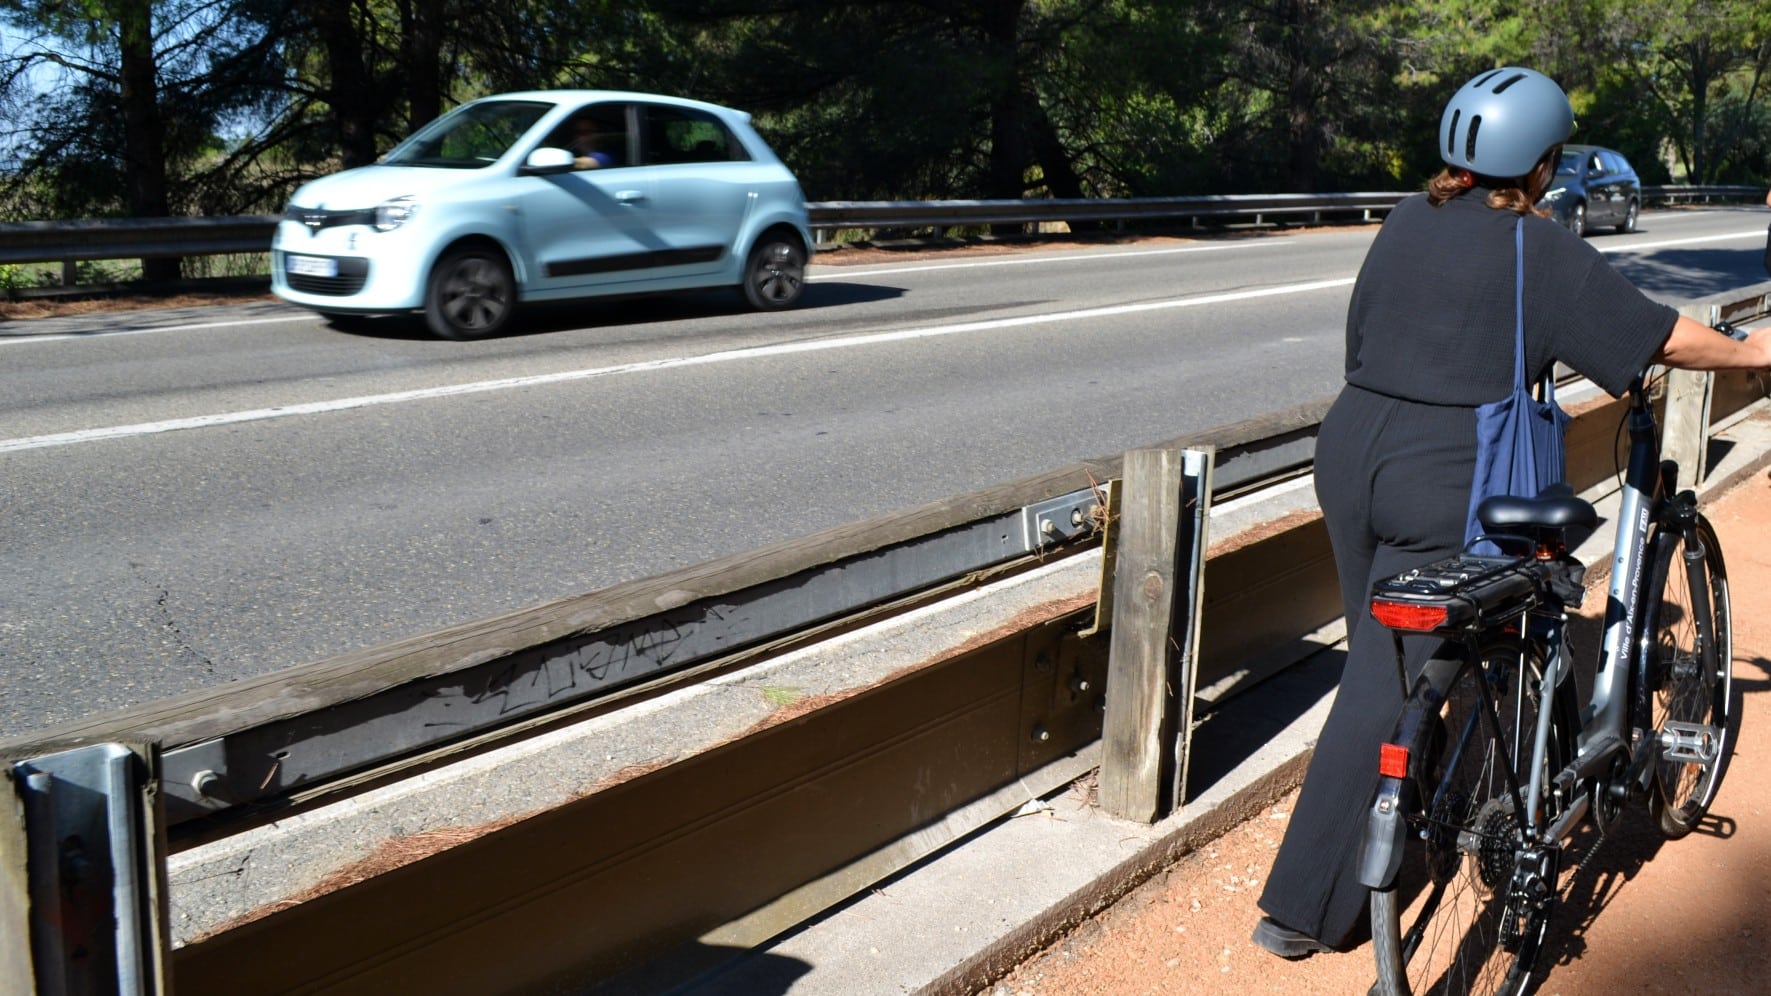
(311, 266)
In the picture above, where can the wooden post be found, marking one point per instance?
(1684, 426)
(1150, 672)
(15, 892)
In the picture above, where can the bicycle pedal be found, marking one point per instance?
(1689, 743)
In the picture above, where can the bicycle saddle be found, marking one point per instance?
(1555, 509)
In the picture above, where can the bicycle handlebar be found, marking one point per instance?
(1730, 330)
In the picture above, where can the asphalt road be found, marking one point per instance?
(196, 497)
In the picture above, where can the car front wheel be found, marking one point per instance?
(775, 273)
(471, 294)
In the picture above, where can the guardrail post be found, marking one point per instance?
(1684, 427)
(1158, 581)
(1684, 431)
(82, 882)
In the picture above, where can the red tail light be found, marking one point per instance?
(1392, 761)
(1408, 616)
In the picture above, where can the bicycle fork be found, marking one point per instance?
(1679, 741)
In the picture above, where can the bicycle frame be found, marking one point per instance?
(1604, 730)
(1604, 722)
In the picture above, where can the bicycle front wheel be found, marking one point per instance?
(1454, 922)
(1687, 668)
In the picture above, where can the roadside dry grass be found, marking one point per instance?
(57, 307)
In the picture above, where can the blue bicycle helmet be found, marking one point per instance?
(1503, 121)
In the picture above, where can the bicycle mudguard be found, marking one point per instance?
(1385, 826)
(1380, 855)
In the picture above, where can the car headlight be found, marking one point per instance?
(394, 212)
(1554, 193)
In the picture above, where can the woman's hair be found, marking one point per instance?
(1512, 194)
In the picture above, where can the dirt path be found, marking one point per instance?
(1695, 919)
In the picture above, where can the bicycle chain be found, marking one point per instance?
(1585, 860)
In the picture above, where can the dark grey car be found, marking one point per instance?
(1594, 186)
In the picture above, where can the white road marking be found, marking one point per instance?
(837, 273)
(1633, 246)
(723, 356)
(65, 337)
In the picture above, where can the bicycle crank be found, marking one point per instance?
(1609, 795)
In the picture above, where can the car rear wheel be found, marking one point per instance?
(1577, 219)
(471, 294)
(1628, 224)
(775, 272)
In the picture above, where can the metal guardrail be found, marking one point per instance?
(230, 753)
(133, 238)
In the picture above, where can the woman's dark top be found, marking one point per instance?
(1431, 318)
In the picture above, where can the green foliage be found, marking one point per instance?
(865, 99)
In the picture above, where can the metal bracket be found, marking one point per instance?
(194, 779)
(1061, 519)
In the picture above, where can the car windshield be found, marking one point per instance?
(469, 137)
(1570, 164)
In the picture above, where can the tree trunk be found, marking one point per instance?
(1304, 140)
(352, 96)
(1699, 52)
(144, 147)
(421, 52)
(1049, 152)
(1008, 145)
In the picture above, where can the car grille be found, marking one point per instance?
(315, 219)
(353, 272)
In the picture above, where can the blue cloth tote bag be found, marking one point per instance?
(1519, 439)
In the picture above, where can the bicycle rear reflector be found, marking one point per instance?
(1413, 618)
(1392, 761)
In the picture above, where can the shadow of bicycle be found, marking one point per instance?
(1603, 868)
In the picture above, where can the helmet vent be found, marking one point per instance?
(1516, 77)
(1451, 133)
(1470, 141)
(1484, 79)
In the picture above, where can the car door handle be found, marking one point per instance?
(630, 196)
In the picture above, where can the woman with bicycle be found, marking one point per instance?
(1430, 338)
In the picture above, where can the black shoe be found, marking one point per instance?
(1285, 942)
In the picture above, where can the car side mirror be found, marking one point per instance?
(548, 160)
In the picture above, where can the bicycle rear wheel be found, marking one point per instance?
(1452, 922)
(1687, 668)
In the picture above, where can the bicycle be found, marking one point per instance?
(1494, 765)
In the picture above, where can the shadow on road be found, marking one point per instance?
(1690, 273)
(610, 312)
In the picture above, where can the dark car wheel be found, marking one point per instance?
(471, 294)
(1577, 219)
(1628, 224)
(775, 273)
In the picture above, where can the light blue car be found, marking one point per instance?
(546, 196)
